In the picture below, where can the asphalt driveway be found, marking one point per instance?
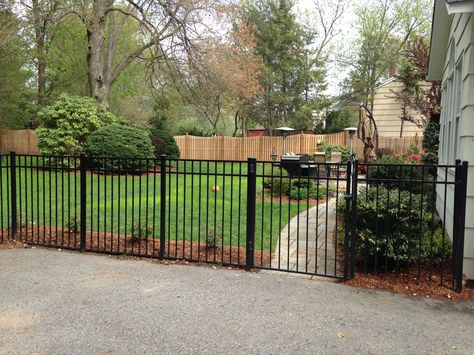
(61, 302)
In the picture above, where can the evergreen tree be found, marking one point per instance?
(290, 76)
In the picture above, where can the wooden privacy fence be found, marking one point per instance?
(23, 141)
(232, 148)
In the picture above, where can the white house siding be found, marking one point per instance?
(458, 143)
(387, 112)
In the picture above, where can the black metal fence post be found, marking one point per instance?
(355, 182)
(347, 221)
(162, 206)
(460, 192)
(251, 205)
(13, 195)
(83, 201)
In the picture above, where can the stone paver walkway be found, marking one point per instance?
(306, 244)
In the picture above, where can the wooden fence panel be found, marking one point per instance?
(232, 148)
(23, 141)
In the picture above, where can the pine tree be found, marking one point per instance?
(289, 74)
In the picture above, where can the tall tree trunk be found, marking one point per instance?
(40, 24)
(99, 81)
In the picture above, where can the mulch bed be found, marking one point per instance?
(10, 244)
(408, 283)
(124, 245)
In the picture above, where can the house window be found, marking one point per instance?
(448, 117)
(451, 108)
(456, 110)
(455, 140)
(448, 142)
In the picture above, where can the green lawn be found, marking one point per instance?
(119, 204)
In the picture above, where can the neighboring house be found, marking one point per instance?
(452, 62)
(387, 110)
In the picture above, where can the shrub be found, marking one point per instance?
(68, 122)
(138, 230)
(213, 239)
(193, 130)
(74, 225)
(299, 193)
(277, 186)
(302, 192)
(119, 141)
(329, 148)
(400, 172)
(164, 143)
(390, 225)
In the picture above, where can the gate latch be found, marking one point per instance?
(348, 197)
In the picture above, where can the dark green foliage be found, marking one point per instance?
(302, 119)
(164, 143)
(213, 239)
(431, 142)
(119, 141)
(14, 73)
(277, 186)
(139, 230)
(328, 148)
(401, 172)
(393, 227)
(193, 130)
(297, 189)
(291, 77)
(303, 192)
(74, 224)
(336, 121)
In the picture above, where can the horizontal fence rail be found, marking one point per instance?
(333, 220)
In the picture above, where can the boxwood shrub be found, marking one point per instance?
(392, 227)
(120, 141)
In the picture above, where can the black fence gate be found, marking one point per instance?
(327, 219)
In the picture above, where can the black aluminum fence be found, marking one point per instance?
(319, 219)
(410, 218)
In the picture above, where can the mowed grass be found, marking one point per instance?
(130, 204)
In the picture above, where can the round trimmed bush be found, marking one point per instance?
(164, 143)
(119, 141)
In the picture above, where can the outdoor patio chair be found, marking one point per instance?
(336, 158)
(320, 159)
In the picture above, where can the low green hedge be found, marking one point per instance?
(392, 227)
(120, 141)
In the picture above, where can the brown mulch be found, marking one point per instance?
(408, 283)
(124, 245)
(10, 244)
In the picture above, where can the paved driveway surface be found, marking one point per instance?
(71, 303)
